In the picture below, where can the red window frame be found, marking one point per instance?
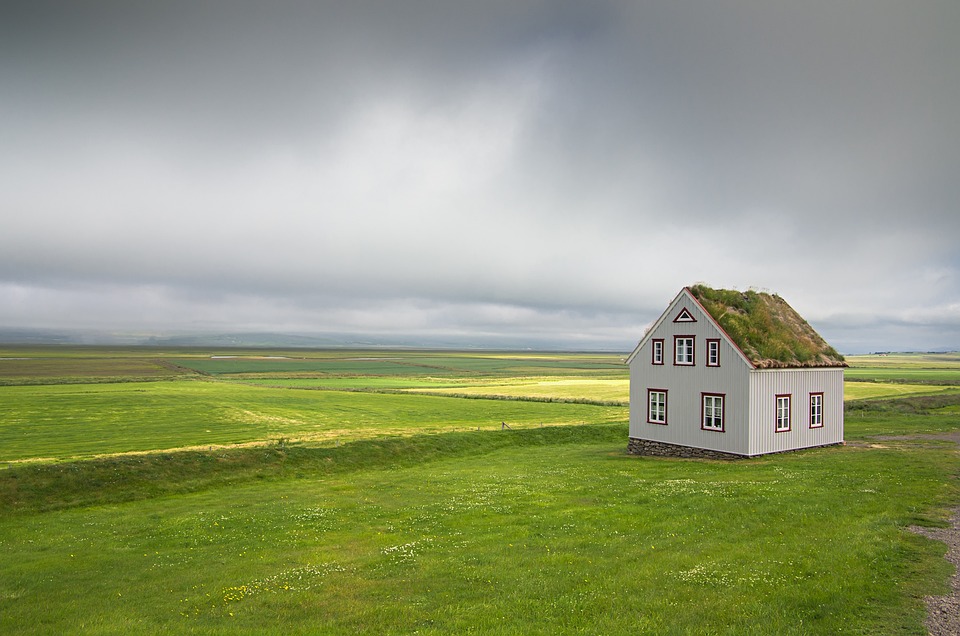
(650, 420)
(655, 349)
(818, 421)
(723, 412)
(711, 344)
(693, 351)
(776, 426)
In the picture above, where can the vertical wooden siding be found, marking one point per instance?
(767, 384)
(684, 385)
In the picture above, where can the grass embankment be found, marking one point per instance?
(120, 478)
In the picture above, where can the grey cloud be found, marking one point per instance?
(553, 160)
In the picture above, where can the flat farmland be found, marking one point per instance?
(597, 390)
(923, 368)
(80, 402)
(900, 375)
(20, 367)
(907, 361)
(853, 390)
(252, 494)
(404, 363)
(69, 421)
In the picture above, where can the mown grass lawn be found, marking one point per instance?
(541, 531)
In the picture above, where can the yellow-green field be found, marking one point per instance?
(866, 390)
(593, 389)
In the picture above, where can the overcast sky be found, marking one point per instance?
(527, 170)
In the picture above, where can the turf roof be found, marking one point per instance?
(768, 330)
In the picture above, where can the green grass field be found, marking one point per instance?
(70, 421)
(923, 368)
(362, 508)
(900, 375)
(907, 361)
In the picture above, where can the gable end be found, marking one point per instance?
(684, 307)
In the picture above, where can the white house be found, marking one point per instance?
(726, 373)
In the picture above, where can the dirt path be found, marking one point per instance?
(943, 612)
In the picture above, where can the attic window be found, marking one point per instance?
(684, 316)
(713, 352)
(658, 351)
(683, 350)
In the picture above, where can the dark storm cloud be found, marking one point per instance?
(481, 167)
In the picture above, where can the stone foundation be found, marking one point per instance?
(663, 449)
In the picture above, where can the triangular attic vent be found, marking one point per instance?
(684, 316)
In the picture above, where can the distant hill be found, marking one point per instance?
(21, 336)
(244, 340)
(37, 336)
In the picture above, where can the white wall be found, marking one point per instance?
(766, 384)
(684, 385)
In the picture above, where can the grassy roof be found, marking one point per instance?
(768, 330)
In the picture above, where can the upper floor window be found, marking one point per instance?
(712, 412)
(658, 351)
(783, 413)
(713, 352)
(683, 350)
(816, 410)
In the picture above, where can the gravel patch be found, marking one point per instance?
(943, 612)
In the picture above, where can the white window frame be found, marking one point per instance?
(816, 410)
(783, 413)
(711, 412)
(713, 352)
(656, 406)
(687, 348)
(657, 351)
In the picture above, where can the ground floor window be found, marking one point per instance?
(816, 410)
(783, 413)
(657, 410)
(712, 412)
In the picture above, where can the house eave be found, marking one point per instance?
(777, 364)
